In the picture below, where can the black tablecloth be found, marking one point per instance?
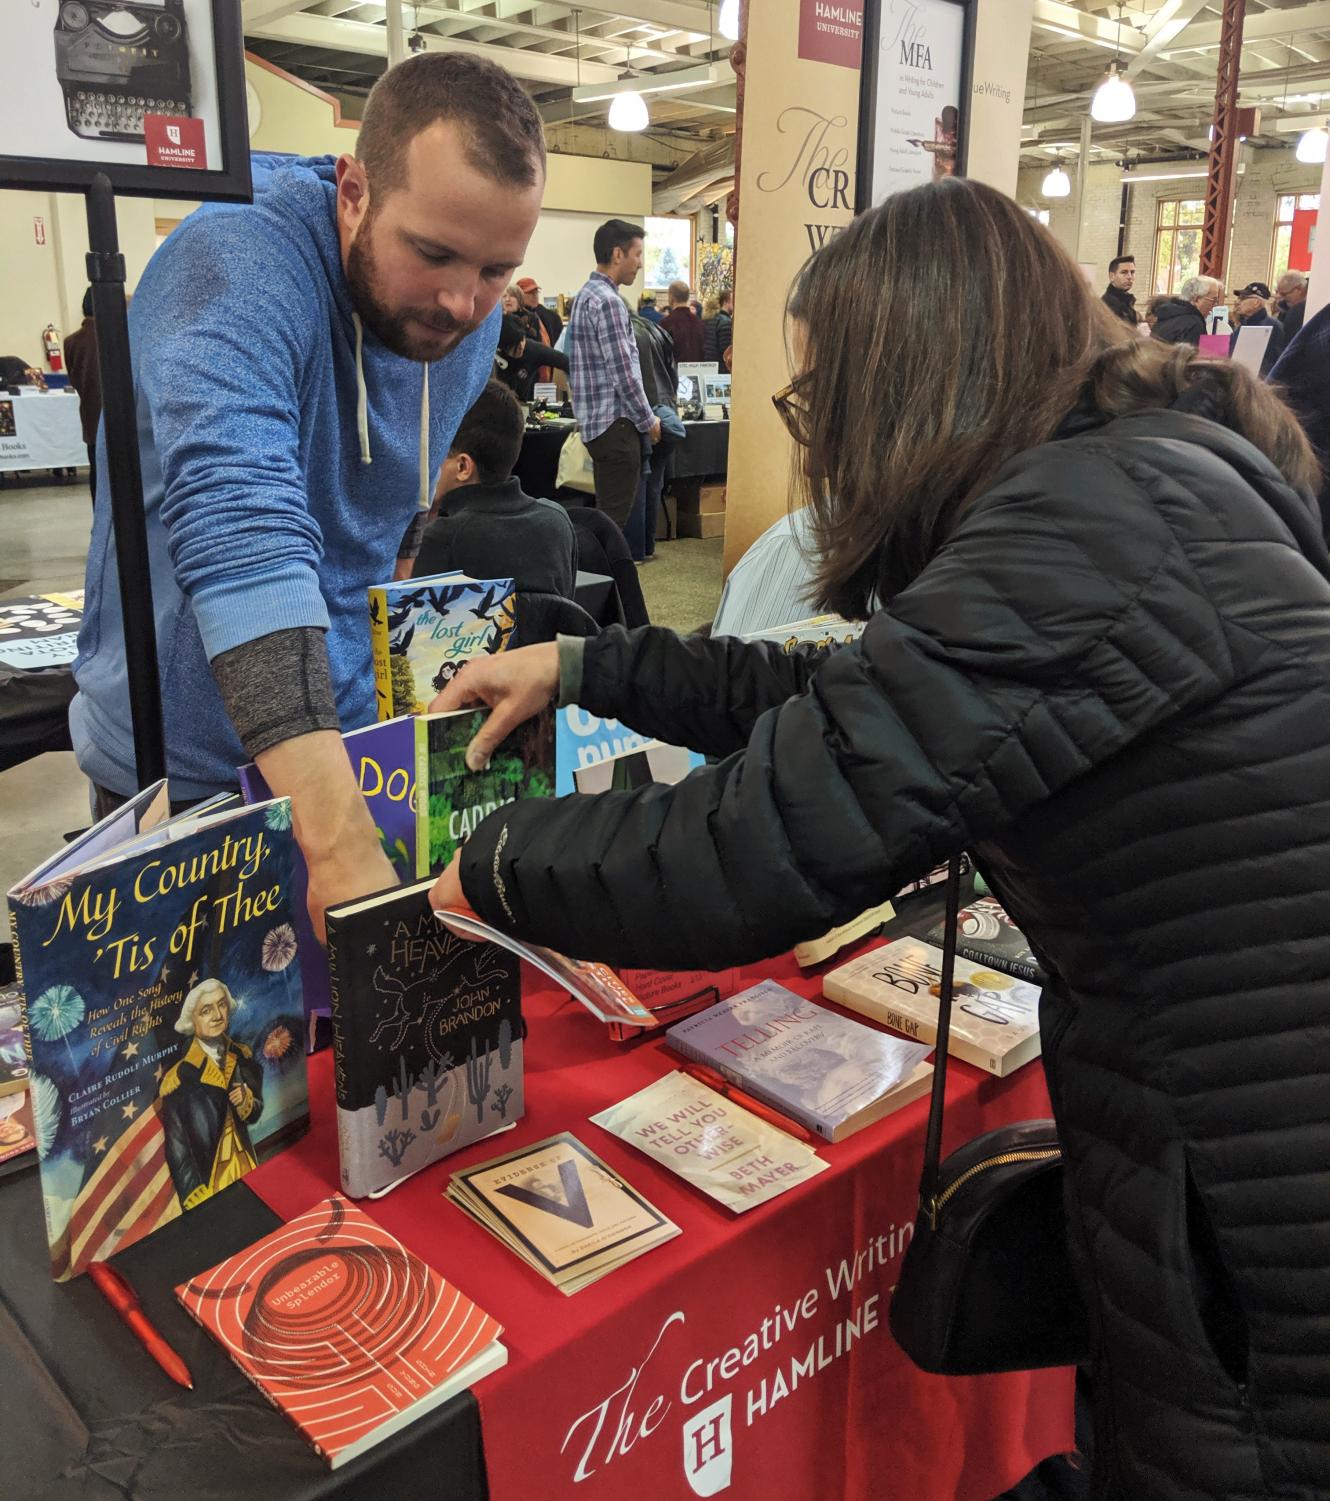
(34, 713)
(538, 463)
(704, 453)
(88, 1416)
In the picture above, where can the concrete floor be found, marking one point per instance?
(43, 544)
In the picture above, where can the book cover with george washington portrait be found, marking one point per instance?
(162, 1013)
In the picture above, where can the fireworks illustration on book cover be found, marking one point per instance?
(338, 1324)
(163, 1013)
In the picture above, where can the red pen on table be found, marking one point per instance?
(122, 1297)
(722, 1085)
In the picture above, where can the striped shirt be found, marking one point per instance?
(767, 587)
(604, 371)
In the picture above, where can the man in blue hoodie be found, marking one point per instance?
(301, 366)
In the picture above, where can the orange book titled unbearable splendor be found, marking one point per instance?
(340, 1327)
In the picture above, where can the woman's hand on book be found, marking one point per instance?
(447, 890)
(516, 685)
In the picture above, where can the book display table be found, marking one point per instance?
(41, 431)
(748, 1357)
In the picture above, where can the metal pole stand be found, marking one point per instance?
(106, 272)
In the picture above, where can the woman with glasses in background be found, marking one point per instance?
(1097, 655)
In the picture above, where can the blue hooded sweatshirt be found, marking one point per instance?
(285, 452)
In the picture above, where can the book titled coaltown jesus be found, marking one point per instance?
(342, 1329)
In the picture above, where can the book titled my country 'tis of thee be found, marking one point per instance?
(343, 1329)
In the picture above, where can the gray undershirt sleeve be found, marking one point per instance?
(277, 687)
(572, 651)
(410, 543)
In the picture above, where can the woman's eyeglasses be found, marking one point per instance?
(793, 409)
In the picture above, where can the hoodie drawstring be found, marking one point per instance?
(362, 414)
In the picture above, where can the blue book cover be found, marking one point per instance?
(424, 629)
(584, 742)
(383, 757)
(829, 1073)
(162, 1010)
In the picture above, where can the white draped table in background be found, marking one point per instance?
(41, 431)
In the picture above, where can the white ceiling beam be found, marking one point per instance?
(661, 85)
(1165, 26)
(1262, 24)
(356, 36)
(678, 17)
(432, 13)
(256, 12)
(1067, 21)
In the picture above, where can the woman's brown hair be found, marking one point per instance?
(942, 333)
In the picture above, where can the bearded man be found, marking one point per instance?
(302, 364)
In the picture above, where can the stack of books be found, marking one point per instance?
(561, 1209)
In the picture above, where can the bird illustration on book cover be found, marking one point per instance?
(164, 1019)
(432, 627)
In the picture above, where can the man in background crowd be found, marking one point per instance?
(683, 324)
(609, 402)
(646, 307)
(1291, 290)
(293, 413)
(550, 322)
(86, 378)
(486, 526)
(718, 330)
(1251, 309)
(1118, 296)
(1182, 319)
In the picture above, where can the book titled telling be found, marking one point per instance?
(452, 799)
(427, 1037)
(343, 1329)
(829, 1073)
(994, 1016)
(422, 630)
(711, 1142)
(988, 936)
(162, 1009)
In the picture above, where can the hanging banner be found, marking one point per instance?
(914, 91)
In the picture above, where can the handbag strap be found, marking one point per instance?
(933, 1139)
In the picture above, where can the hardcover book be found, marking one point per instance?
(988, 936)
(13, 1048)
(16, 1132)
(343, 1329)
(596, 755)
(711, 1142)
(424, 629)
(383, 757)
(452, 799)
(994, 1016)
(162, 1009)
(829, 1073)
(427, 1037)
(562, 1210)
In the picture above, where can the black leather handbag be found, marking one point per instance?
(987, 1283)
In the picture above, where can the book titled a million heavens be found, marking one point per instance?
(829, 1073)
(451, 799)
(422, 630)
(163, 1013)
(427, 1037)
(342, 1329)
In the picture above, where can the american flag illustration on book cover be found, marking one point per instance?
(342, 1328)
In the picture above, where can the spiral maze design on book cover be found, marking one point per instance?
(341, 1325)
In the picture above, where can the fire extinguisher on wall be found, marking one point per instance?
(51, 342)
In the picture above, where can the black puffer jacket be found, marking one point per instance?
(1178, 322)
(1113, 684)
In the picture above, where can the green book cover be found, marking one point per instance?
(451, 800)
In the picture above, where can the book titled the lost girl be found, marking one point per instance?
(162, 1012)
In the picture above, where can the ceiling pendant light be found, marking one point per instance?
(1114, 101)
(628, 111)
(728, 23)
(1312, 145)
(1057, 184)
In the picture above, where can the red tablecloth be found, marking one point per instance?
(748, 1356)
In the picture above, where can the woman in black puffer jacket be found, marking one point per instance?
(1100, 660)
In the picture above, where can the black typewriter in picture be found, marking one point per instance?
(119, 60)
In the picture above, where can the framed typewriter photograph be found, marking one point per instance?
(150, 92)
(914, 87)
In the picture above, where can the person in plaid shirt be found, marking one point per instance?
(609, 402)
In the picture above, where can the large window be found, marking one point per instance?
(1284, 208)
(667, 253)
(1177, 241)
